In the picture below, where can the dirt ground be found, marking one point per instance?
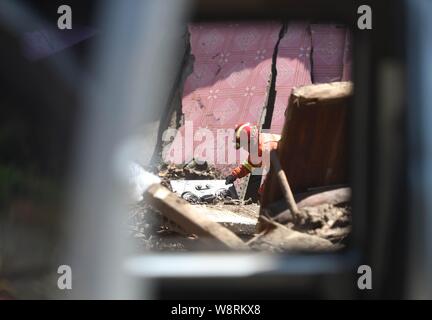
(152, 231)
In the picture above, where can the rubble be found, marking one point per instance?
(166, 222)
(327, 229)
(203, 191)
(335, 222)
(279, 238)
(191, 220)
(191, 171)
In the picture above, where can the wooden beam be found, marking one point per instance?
(336, 196)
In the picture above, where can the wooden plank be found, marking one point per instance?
(191, 220)
(283, 182)
(337, 196)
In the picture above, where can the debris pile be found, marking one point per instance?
(279, 238)
(164, 221)
(191, 171)
(192, 208)
(328, 221)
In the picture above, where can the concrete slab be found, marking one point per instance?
(237, 223)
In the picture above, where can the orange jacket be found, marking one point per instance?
(266, 143)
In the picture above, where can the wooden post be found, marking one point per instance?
(283, 181)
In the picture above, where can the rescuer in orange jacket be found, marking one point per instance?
(257, 143)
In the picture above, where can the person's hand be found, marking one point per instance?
(230, 179)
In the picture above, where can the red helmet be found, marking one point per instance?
(248, 128)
